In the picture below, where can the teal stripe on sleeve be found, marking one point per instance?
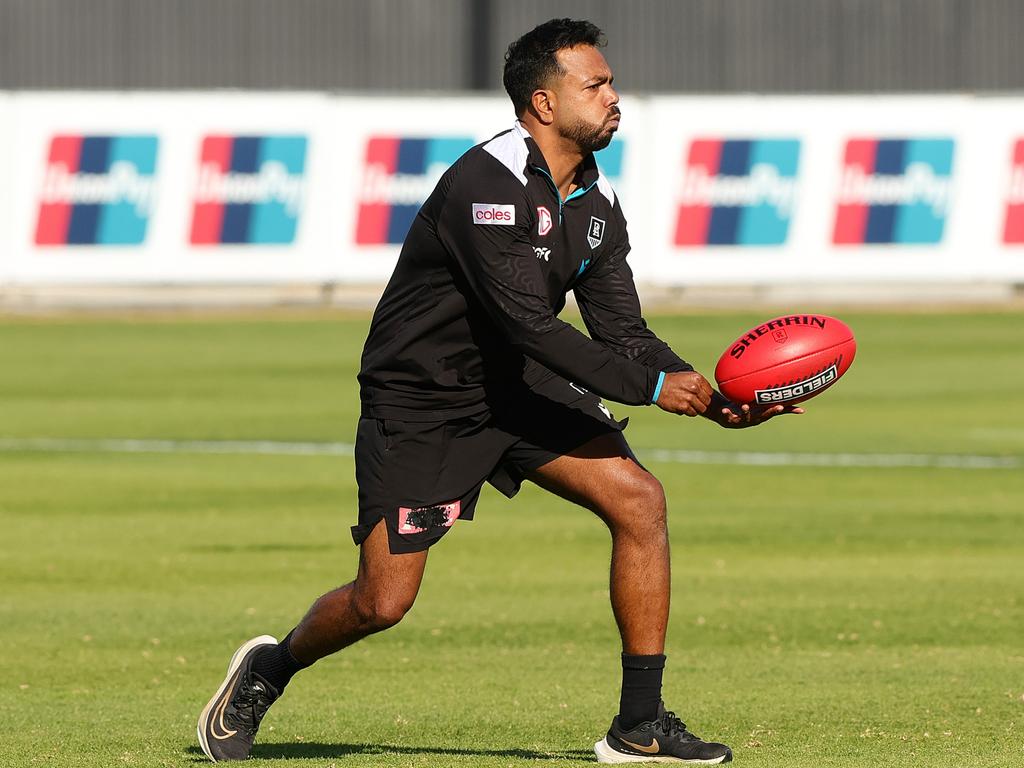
(657, 389)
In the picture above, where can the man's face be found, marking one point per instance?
(587, 107)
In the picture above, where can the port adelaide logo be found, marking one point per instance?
(595, 233)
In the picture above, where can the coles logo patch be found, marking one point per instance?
(97, 190)
(492, 213)
(894, 191)
(249, 190)
(398, 176)
(737, 192)
(1013, 231)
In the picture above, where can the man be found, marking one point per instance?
(468, 376)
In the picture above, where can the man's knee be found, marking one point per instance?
(386, 585)
(639, 489)
(636, 501)
(380, 608)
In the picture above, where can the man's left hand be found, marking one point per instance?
(732, 416)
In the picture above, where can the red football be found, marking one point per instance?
(786, 360)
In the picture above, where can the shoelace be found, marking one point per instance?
(251, 703)
(670, 723)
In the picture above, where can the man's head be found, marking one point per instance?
(556, 75)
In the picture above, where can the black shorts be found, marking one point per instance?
(421, 477)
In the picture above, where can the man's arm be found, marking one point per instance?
(610, 307)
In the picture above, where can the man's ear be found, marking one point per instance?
(542, 104)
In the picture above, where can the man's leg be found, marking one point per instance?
(604, 477)
(384, 589)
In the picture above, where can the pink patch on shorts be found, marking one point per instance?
(423, 519)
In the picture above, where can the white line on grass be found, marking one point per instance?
(997, 433)
(743, 458)
(881, 460)
(114, 445)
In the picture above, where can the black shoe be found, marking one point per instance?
(228, 723)
(664, 740)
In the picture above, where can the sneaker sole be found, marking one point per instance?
(608, 754)
(236, 660)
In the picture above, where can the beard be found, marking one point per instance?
(590, 137)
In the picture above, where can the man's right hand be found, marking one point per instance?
(687, 393)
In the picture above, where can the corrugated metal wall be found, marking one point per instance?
(656, 45)
(305, 44)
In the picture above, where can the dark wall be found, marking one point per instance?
(401, 45)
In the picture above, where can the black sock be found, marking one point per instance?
(641, 689)
(276, 664)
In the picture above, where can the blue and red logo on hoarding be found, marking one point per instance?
(1013, 231)
(398, 176)
(249, 191)
(894, 191)
(97, 190)
(738, 192)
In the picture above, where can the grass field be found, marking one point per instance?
(822, 616)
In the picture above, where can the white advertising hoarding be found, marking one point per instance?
(7, 187)
(84, 158)
(208, 188)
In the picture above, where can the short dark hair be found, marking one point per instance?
(530, 61)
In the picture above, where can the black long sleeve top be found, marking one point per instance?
(470, 315)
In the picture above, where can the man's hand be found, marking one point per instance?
(732, 416)
(687, 393)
